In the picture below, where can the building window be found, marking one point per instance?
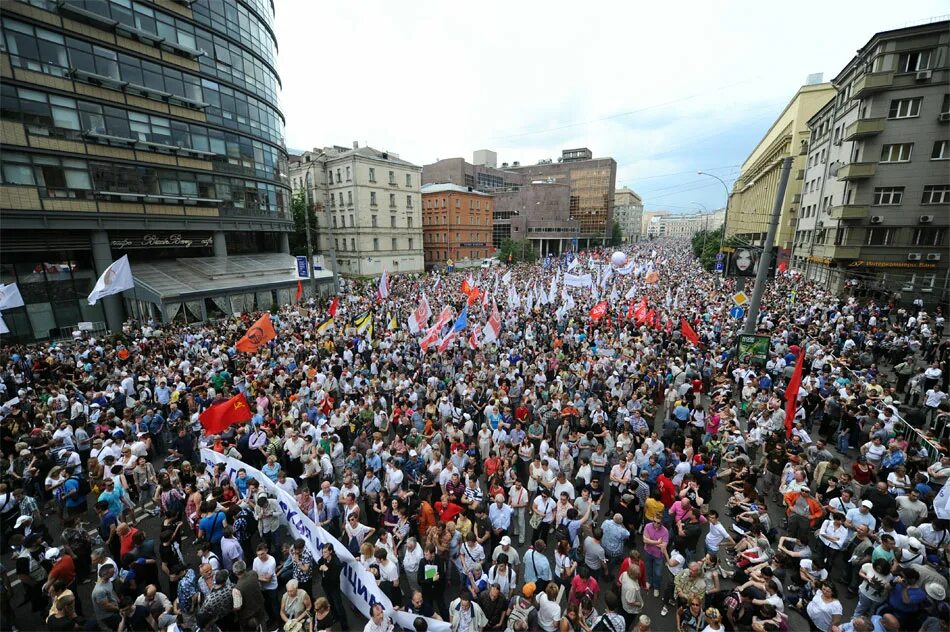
(929, 236)
(408, 201)
(376, 243)
(372, 198)
(372, 174)
(392, 221)
(941, 150)
(353, 245)
(936, 194)
(899, 152)
(409, 221)
(336, 243)
(411, 243)
(348, 178)
(879, 236)
(905, 108)
(395, 244)
(912, 62)
(408, 180)
(443, 202)
(888, 196)
(338, 180)
(334, 221)
(373, 220)
(349, 198)
(392, 177)
(352, 223)
(341, 194)
(392, 200)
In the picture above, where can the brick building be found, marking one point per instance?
(456, 223)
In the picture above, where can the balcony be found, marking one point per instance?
(857, 171)
(871, 82)
(864, 128)
(843, 252)
(849, 211)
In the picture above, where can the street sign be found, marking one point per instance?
(720, 256)
(303, 269)
(737, 312)
(719, 266)
(740, 298)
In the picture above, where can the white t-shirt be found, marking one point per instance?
(717, 533)
(821, 612)
(547, 508)
(266, 568)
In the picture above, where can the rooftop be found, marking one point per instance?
(444, 187)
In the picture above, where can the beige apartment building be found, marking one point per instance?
(369, 207)
(753, 194)
(628, 213)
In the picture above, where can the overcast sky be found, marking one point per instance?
(665, 88)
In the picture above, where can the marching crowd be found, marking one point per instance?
(573, 474)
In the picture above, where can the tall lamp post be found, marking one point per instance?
(706, 227)
(725, 217)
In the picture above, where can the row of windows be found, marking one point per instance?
(230, 17)
(68, 118)
(394, 244)
(893, 196)
(443, 237)
(444, 254)
(50, 53)
(373, 200)
(433, 203)
(921, 236)
(473, 220)
(374, 221)
(79, 179)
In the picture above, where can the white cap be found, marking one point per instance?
(51, 553)
(505, 541)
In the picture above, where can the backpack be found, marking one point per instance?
(83, 489)
(561, 532)
(604, 625)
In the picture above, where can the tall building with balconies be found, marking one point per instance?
(876, 188)
(147, 128)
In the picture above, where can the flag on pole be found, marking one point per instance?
(468, 285)
(299, 290)
(3, 326)
(447, 340)
(791, 393)
(473, 296)
(598, 311)
(363, 321)
(474, 336)
(382, 292)
(688, 332)
(116, 278)
(334, 305)
(640, 312)
(420, 317)
(258, 335)
(10, 296)
(323, 327)
(393, 325)
(506, 279)
(462, 321)
(223, 415)
(493, 327)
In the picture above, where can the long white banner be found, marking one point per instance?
(358, 584)
(578, 280)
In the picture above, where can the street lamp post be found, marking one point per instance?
(725, 217)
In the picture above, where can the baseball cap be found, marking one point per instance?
(867, 503)
(505, 541)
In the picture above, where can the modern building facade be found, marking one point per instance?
(876, 189)
(456, 224)
(753, 194)
(149, 129)
(628, 213)
(592, 182)
(371, 217)
(665, 224)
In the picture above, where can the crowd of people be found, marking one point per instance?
(585, 471)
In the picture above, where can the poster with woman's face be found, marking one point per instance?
(744, 262)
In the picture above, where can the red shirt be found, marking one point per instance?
(64, 569)
(643, 572)
(667, 490)
(448, 511)
(125, 542)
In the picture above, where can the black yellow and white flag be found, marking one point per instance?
(325, 326)
(363, 322)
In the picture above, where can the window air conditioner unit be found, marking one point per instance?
(933, 256)
(877, 219)
(914, 256)
(924, 75)
(926, 219)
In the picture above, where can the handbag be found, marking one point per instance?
(534, 520)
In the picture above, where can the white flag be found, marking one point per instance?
(609, 273)
(3, 327)
(507, 278)
(10, 296)
(529, 300)
(117, 278)
(627, 269)
(572, 264)
(631, 292)
(493, 326)
(578, 280)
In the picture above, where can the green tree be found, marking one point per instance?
(300, 210)
(706, 249)
(519, 249)
(616, 235)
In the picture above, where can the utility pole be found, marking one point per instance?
(761, 277)
(308, 207)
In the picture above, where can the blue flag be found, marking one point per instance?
(462, 321)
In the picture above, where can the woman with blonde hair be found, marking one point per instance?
(324, 619)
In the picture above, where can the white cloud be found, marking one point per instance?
(432, 79)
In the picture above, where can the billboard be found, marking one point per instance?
(744, 262)
(753, 348)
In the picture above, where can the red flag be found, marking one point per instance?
(598, 311)
(258, 334)
(688, 332)
(473, 296)
(791, 394)
(334, 305)
(630, 310)
(669, 326)
(223, 415)
(474, 336)
(651, 317)
(299, 290)
(468, 285)
(640, 313)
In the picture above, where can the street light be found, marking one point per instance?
(725, 217)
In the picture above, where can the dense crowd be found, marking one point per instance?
(571, 475)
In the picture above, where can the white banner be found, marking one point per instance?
(358, 584)
(10, 296)
(578, 280)
(116, 278)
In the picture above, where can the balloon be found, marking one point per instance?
(618, 259)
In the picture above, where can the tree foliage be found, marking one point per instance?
(706, 250)
(616, 235)
(298, 238)
(519, 249)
